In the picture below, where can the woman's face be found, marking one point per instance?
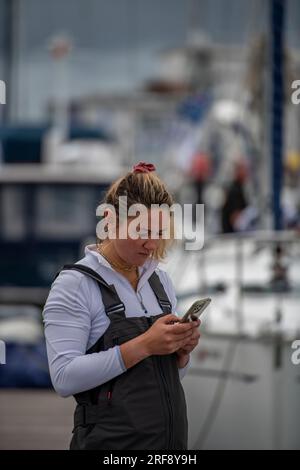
(150, 227)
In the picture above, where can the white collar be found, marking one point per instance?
(145, 270)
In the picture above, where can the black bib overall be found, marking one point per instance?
(143, 408)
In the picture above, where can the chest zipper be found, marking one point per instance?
(139, 297)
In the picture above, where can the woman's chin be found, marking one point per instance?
(137, 260)
(140, 259)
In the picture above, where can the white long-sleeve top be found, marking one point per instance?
(75, 318)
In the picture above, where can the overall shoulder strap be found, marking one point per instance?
(111, 300)
(160, 293)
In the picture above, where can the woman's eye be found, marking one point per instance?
(144, 233)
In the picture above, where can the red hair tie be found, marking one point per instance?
(143, 167)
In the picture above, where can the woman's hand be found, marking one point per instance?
(183, 353)
(167, 335)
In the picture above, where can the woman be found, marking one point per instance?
(112, 339)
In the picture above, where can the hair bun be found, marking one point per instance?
(143, 167)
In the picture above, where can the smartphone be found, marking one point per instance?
(195, 310)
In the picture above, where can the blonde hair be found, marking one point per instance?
(147, 189)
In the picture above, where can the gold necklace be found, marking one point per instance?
(115, 264)
(118, 267)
